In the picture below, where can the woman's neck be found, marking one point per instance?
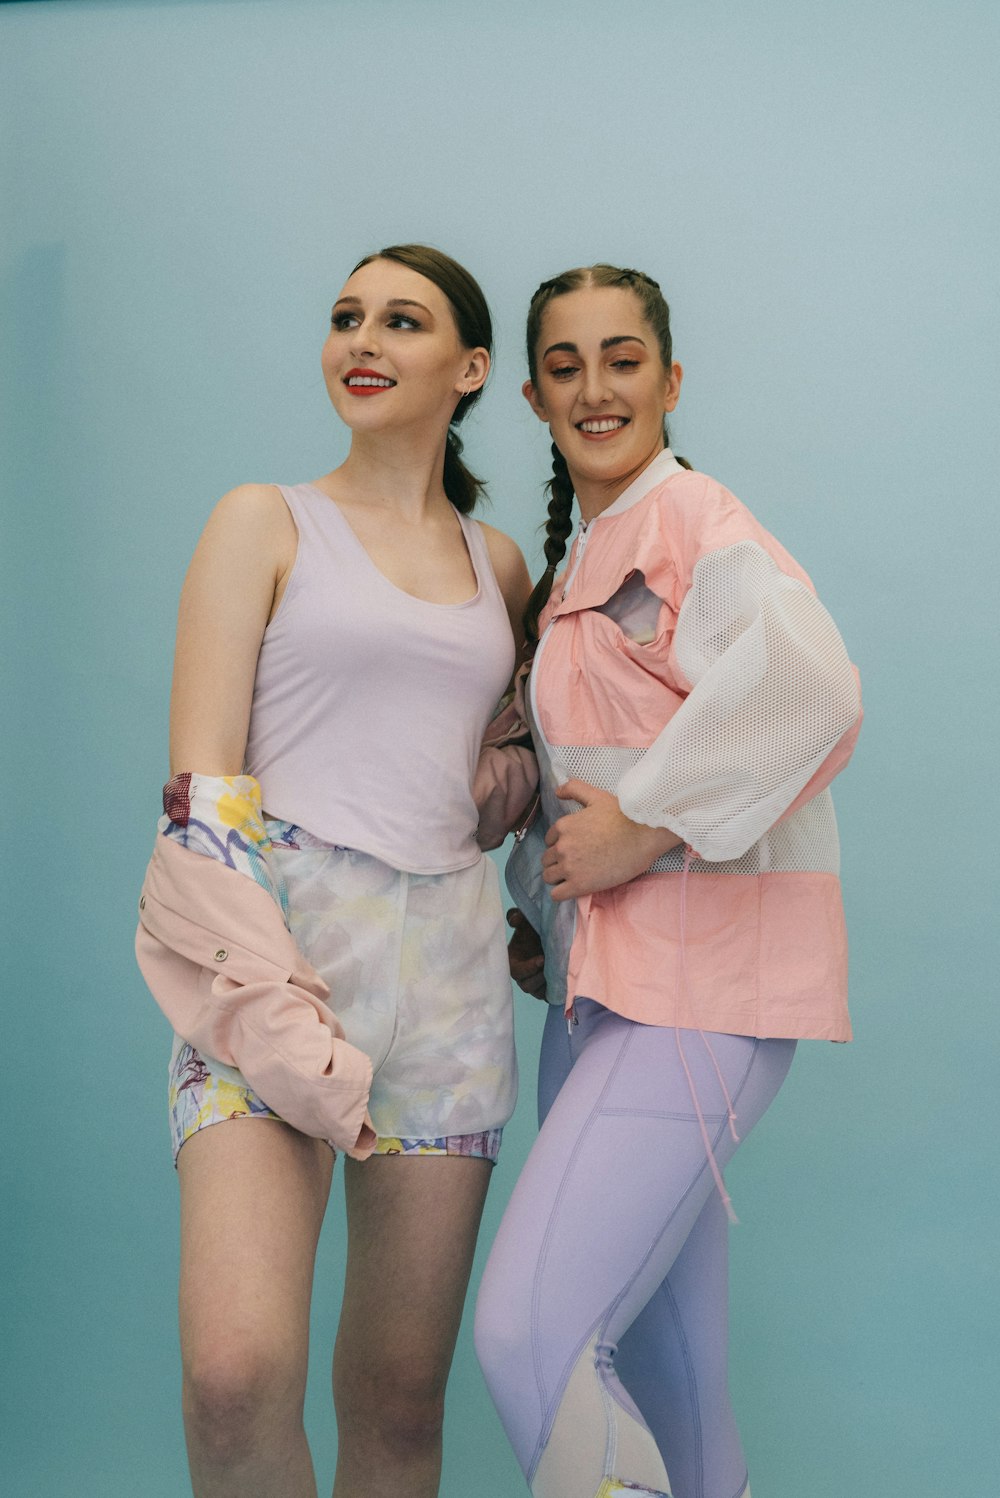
(594, 496)
(396, 472)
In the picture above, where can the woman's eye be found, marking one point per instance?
(563, 371)
(340, 321)
(399, 321)
(626, 364)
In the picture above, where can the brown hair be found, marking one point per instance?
(475, 329)
(560, 486)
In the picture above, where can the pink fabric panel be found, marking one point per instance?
(765, 955)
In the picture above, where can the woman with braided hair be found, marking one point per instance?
(690, 701)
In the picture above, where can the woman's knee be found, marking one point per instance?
(238, 1391)
(400, 1403)
(502, 1336)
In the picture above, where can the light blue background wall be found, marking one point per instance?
(186, 185)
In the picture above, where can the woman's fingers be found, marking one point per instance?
(524, 955)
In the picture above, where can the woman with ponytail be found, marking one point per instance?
(690, 701)
(319, 922)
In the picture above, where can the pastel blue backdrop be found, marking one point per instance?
(186, 185)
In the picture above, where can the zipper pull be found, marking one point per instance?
(572, 1019)
(528, 819)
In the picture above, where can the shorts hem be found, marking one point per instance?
(484, 1145)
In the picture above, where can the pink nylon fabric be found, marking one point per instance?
(756, 945)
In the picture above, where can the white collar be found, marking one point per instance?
(662, 466)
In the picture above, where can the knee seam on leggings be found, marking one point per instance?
(624, 1291)
(692, 1384)
(549, 1406)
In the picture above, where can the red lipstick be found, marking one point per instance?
(367, 382)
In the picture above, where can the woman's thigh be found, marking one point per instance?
(412, 1224)
(555, 1060)
(253, 1194)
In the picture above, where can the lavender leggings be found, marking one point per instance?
(615, 1233)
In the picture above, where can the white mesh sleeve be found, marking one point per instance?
(772, 693)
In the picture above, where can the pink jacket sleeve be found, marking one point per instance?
(772, 714)
(218, 959)
(506, 780)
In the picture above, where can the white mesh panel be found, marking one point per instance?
(806, 841)
(772, 693)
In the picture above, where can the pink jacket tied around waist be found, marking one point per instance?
(214, 949)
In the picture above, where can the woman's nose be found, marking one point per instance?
(364, 341)
(595, 387)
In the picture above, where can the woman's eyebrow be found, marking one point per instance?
(606, 343)
(396, 301)
(403, 301)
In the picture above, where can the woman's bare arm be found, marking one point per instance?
(233, 585)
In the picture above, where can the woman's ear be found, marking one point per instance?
(534, 400)
(475, 372)
(673, 387)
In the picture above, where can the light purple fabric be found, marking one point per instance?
(370, 705)
(615, 1230)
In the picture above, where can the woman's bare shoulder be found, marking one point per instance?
(505, 554)
(251, 518)
(253, 504)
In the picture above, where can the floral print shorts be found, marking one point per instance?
(417, 968)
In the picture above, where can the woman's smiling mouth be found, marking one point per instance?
(367, 382)
(602, 426)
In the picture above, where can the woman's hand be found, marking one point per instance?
(524, 954)
(598, 847)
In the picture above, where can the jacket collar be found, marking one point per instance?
(663, 466)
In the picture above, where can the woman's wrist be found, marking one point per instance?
(654, 840)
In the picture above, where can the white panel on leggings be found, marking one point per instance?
(772, 693)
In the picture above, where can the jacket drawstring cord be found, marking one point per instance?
(689, 854)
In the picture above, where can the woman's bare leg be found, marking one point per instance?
(412, 1225)
(253, 1194)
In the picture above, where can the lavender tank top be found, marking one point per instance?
(369, 705)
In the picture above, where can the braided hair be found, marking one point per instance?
(557, 530)
(560, 486)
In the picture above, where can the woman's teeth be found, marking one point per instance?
(370, 380)
(607, 424)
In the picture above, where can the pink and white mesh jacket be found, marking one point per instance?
(686, 665)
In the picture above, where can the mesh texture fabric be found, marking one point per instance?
(772, 692)
(807, 841)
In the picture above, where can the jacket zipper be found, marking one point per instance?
(581, 548)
